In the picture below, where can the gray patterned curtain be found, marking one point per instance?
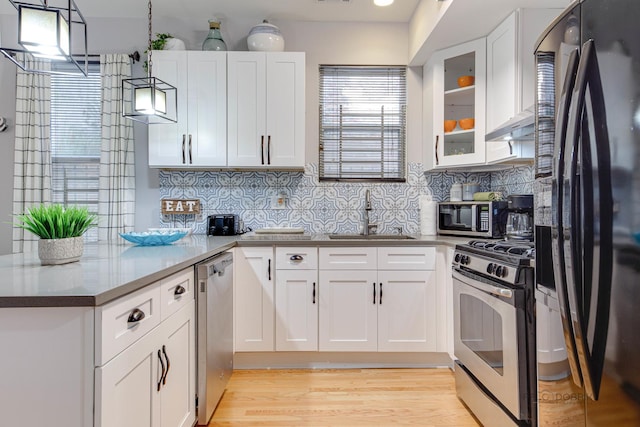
(117, 169)
(32, 158)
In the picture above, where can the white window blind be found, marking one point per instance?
(362, 123)
(76, 140)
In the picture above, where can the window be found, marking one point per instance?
(362, 123)
(76, 140)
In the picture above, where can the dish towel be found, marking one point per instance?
(428, 216)
(487, 196)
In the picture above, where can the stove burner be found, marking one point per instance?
(512, 247)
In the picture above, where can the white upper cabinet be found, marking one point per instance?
(266, 106)
(445, 100)
(511, 76)
(199, 138)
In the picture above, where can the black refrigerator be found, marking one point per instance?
(588, 216)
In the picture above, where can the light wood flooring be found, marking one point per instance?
(342, 397)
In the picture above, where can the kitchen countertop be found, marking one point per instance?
(107, 271)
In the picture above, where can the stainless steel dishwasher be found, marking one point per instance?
(215, 331)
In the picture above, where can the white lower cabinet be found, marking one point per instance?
(254, 308)
(338, 299)
(152, 382)
(348, 310)
(297, 299)
(364, 308)
(407, 311)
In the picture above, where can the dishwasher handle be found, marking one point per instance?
(217, 265)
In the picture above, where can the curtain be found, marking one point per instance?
(32, 157)
(116, 206)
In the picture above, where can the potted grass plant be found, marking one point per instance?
(60, 230)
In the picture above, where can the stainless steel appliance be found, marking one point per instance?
(473, 219)
(214, 301)
(223, 225)
(520, 217)
(494, 334)
(588, 213)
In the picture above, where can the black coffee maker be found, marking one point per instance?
(519, 217)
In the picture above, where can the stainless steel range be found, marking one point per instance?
(494, 335)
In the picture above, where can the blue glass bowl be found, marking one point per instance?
(155, 238)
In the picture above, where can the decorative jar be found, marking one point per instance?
(265, 37)
(214, 38)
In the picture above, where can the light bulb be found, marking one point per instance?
(382, 2)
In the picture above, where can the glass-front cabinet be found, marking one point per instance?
(454, 106)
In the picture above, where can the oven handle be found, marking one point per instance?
(481, 286)
(473, 217)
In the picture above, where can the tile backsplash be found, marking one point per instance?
(322, 206)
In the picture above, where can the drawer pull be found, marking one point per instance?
(136, 316)
(163, 370)
(179, 290)
(166, 358)
(314, 292)
(296, 258)
(380, 300)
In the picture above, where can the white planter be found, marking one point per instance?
(60, 251)
(174, 44)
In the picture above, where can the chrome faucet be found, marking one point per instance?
(367, 228)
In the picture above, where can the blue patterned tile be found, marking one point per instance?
(322, 207)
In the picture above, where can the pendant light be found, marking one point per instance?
(149, 99)
(49, 30)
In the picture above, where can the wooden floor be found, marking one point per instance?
(342, 397)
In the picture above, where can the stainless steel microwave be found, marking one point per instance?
(473, 219)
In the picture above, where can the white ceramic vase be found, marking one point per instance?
(60, 251)
(265, 37)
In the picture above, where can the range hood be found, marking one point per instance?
(519, 128)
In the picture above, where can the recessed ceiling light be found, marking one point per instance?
(382, 2)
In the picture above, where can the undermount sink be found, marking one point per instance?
(370, 236)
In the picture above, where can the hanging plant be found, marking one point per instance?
(157, 44)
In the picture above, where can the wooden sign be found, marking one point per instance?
(180, 206)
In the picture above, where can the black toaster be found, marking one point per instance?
(223, 225)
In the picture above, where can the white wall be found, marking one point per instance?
(324, 43)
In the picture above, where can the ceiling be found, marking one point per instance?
(298, 10)
(289, 10)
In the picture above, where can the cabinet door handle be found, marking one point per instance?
(269, 149)
(314, 292)
(163, 370)
(179, 290)
(269, 269)
(380, 299)
(184, 156)
(166, 358)
(374, 293)
(296, 258)
(190, 152)
(437, 141)
(136, 316)
(262, 148)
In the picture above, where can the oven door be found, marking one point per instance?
(486, 342)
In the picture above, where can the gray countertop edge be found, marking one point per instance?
(101, 298)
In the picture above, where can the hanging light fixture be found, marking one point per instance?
(49, 30)
(149, 99)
